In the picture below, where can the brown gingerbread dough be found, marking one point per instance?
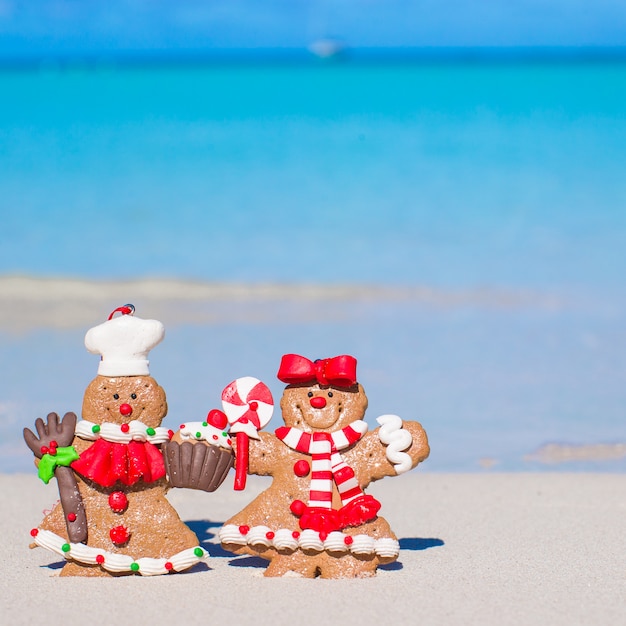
(270, 456)
(153, 527)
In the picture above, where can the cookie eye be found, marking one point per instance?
(116, 396)
(310, 394)
(330, 394)
(133, 396)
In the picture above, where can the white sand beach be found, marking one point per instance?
(475, 549)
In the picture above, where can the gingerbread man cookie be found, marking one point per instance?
(316, 519)
(113, 517)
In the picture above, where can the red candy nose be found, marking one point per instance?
(126, 409)
(318, 402)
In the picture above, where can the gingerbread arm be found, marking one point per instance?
(52, 446)
(265, 454)
(370, 457)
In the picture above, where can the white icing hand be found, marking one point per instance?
(396, 439)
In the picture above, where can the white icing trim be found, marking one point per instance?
(397, 439)
(137, 431)
(283, 539)
(114, 562)
(203, 431)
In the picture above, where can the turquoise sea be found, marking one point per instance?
(498, 186)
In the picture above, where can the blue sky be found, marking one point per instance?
(36, 27)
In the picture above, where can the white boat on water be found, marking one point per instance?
(326, 48)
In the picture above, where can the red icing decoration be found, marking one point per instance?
(318, 402)
(348, 540)
(340, 371)
(301, 468)
(253, 405)
(244, 530)
(34, 532)
(124, 427)
(323, 536)
(241, 466)
(71, 517)
(344, 474)
(320, 519)
(118, 501)
(100, 559)
(358, 511)
(217, 418)
(105, 463)
(243, 420)
(297, 507)
(170, 433)
(127, 309)
(182, 426)
(119, 535)
(168, 566)
(215, 437)
(270, 535)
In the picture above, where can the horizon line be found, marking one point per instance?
(343, 54)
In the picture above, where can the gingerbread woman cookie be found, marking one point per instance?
(316, 519)
(113, 517)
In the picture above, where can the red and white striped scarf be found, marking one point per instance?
(327, 465)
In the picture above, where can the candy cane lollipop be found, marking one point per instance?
(248, 405)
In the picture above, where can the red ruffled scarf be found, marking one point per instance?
(106, 463)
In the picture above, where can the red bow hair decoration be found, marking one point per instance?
(339, 371)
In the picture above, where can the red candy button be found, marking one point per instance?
(119, 535)
(118, 501)
(301, 468)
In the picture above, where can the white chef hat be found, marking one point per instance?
(124, 343)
